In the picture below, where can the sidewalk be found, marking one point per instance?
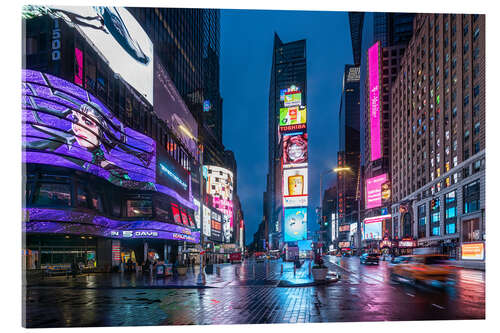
(479, 265)
(246, 274)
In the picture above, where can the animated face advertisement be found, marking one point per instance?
(295, 224)
(64, 125)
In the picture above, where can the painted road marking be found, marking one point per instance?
(438, 306)
(411, 295)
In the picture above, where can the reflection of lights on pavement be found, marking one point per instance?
(214, 301)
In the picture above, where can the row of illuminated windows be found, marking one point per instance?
(63, 190)
(471, 203)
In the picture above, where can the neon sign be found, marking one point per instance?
(166, 170)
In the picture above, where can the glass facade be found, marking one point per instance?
(435, 217)
(450, 213)
(421, 221)
(471, 196)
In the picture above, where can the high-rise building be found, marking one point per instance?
(187, 41)
(391, 30)
(329, 225)
(383, 41)
(356, 28)
(288, 72)
(348, 154)
(438, 135)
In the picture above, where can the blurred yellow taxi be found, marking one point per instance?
(425, 268)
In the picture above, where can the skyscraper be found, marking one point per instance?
(384, 39)
(348, 154)
(187, 41)
(288, 69)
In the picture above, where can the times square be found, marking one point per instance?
(155, 194)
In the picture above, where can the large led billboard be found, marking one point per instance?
(118, 38)
(293, 118)
(64, 125)
(216, 227)
(226, 229)
(219, 184)
(295, 224)
(69, 222)
(207, 221)
(197, 213)
(170, 107)
(373, 226)
(295, 187)
(473, 251)
(172, 174)
(374, 86)
(290, 89)
(372, 230)
(292, 98)
(295, 150)
(374, 191)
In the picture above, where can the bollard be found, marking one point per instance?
(281, 268)
(309, 269)
(253, 271)
(217, 270)
(294, 269)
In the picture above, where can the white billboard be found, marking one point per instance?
(207, 221)
(295, 187)
(119, 38)
(197, 213)
(219, 184)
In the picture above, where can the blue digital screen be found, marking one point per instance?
(295, 224)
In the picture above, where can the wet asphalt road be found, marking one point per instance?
(364, 293)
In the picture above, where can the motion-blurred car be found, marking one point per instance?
(260, 258)
(427, 269)
(369, 258)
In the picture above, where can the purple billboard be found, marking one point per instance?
(41, 220)
(374, 76)
(64, 125)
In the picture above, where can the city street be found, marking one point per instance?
(242, 294)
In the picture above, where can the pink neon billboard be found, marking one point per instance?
(374, 191)
(373, 68)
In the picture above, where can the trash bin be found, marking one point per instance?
(209, 269)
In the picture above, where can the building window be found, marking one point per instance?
(476, 33)
(139, 208)
(51, 194)
(471, 197)
(450, 213)
(81, 195)
(476, 167)
(435, 217)
(476, 91)
(477, 147)
(471, 231)
(421, 221)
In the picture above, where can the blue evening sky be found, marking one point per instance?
(245, 62)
